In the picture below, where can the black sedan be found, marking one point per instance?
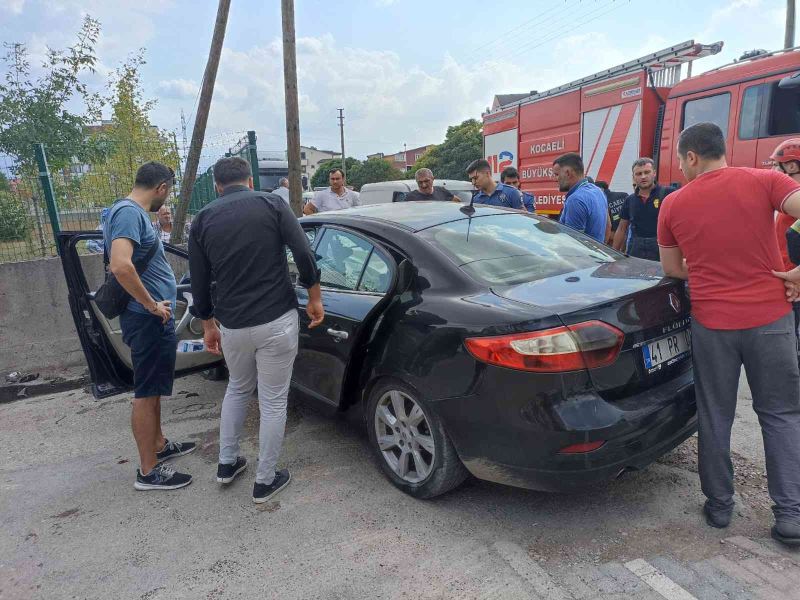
(499, 344)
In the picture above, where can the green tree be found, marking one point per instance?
(462, 144)
(40, 110)
(5, 186)
(128, 141)
(372, 171)
(320, 177)
(15, 223)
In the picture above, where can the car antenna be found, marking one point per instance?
(469, 211)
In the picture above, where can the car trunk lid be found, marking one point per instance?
(633, 296)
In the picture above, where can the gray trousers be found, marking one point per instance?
(262, 355)
(769, 356)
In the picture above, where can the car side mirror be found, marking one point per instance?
(792, 81)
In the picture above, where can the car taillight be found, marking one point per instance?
(586, 345)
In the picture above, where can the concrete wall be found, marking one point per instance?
(36, 326)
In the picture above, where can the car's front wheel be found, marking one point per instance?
(410, 442)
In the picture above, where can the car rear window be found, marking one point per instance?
(515, 248)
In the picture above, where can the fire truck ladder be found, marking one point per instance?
(664, 65)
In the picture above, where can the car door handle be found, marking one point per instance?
(338, 335)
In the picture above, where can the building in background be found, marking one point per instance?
(404, 159)
(273, 165)
(311, 157)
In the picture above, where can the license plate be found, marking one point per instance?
(666, 349)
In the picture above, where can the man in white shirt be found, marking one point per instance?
(335, 197)
(282, 190)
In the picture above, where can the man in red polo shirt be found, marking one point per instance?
(722, 223)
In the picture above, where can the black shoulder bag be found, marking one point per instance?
(111, 298)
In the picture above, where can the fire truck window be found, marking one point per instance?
(784, 111)
(750, 116)
(711, 109)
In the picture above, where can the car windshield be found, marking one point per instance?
(516, 248)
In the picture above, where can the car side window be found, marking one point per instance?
(399, 196)
(376, 276)
(311, 234)
(341, 258)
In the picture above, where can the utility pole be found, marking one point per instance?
(292, 109)
(201, 119)
(183, 133)
(341, 133)
(175, 143)
(788, 38)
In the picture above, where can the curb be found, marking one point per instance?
(11, 392)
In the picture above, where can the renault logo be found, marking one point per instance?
(675, 302)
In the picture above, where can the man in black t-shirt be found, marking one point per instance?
(615, 202)
(426, 190)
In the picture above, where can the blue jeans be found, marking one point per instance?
(646, 248)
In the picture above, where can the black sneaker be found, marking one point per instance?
(173, 449)
(227, 473)
(263, 492)
(162, 477)
(786, 533)
(716, 517)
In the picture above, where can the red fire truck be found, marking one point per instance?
(638, 109)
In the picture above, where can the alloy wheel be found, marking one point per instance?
(404, 436)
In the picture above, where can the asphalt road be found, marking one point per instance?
(74, 527)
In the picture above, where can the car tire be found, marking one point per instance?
(414, 452)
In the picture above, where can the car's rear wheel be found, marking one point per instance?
(410, 442)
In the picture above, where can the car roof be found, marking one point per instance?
(455, 184)
(407, 185)
(412, 216)
(404, 185)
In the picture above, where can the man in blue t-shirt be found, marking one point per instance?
(148, 327)
(489, 191)
(510, 176)
(585, 206)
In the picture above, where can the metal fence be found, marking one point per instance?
(37, 199)
(25, 224)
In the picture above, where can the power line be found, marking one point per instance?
(536, 20)
(541, 42)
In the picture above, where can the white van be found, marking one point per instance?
(395, 191)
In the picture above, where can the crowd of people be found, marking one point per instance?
(718, 232)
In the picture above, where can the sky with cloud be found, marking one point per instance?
(404, 70)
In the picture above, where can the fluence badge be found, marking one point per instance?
(656, 202)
